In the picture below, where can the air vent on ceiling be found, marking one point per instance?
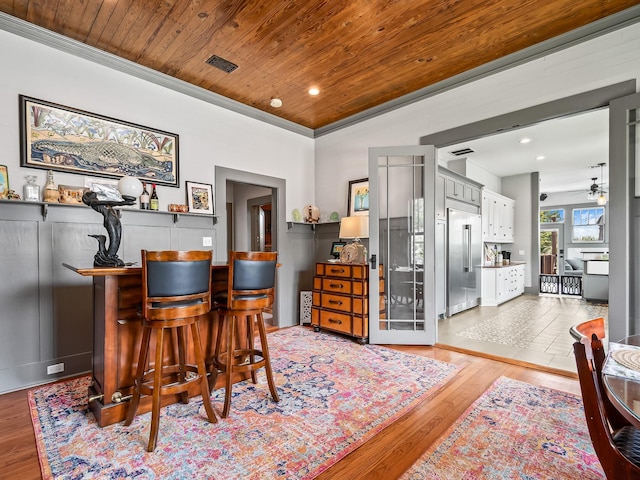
(462, 151)
(222, 64)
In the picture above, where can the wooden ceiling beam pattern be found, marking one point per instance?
(108, 14)
(133, 33)
(359, 53)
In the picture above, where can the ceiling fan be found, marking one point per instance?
(594, 189)
(596, 192)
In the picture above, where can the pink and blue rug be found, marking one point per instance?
(334, 396)
(514, 431)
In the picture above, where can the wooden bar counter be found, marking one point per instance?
(117, 333)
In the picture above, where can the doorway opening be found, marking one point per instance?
(261, 234)
(508, 325)
(240, 191)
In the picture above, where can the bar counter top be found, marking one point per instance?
(130, 270)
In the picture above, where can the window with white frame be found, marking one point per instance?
(588, 225)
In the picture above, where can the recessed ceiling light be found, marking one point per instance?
(525, 140)
(314, 91)
(276, 103)
(540, 157)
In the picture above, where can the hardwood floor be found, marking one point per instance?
(386, 456)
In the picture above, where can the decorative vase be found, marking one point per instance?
(50, 194)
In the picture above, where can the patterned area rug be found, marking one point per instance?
(334, 396)
(514, 431)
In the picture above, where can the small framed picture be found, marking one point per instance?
(200, 198)
(4, 181)
(336, 248)
(71, 194)
(358, 201)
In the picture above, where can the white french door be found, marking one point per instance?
(402, 242)
(624, 216)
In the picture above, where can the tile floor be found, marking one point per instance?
(530, 328)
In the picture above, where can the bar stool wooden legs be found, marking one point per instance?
(249, 291)
(180, 375)
(238, 358)
(176, 290)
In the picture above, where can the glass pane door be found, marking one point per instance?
(402, 218)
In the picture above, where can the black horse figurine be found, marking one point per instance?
(107, 257)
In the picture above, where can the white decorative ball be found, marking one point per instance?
(130, 186)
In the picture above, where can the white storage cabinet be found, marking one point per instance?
(500, 284)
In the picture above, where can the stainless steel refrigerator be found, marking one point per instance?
(464, 260)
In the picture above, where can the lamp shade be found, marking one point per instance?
(354, 227)
(130, 186)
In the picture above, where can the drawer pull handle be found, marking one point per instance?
(336, 302)
(333, 320)
(336, 285)
(337, 270)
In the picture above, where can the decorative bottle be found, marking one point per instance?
(50, 193)
(144, 197)
(31, 190)
(154, 202)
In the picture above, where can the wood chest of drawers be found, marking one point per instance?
(340, 299)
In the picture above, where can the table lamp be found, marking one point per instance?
(354, 228)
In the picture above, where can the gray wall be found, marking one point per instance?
(47, 309)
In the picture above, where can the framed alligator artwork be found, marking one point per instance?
(55, 137)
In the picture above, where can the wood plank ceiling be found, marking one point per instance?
(358, 53)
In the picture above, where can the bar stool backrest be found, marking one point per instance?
(252, 277)
(176, 284)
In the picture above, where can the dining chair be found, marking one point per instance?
(596, 326)
(250, 290)
(615, 441)
(585, 329)
(176, 290)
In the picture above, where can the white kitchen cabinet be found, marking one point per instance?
(498, 217)
(464, 191)
(500, 284)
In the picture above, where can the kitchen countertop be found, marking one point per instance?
(512, 264)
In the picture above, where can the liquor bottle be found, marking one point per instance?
(154, 203)
(50, 193)
(144, 198)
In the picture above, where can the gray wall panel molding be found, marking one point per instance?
(46, 37)
(47, 308)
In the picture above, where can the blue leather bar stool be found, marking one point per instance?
(250, 290)
(176, 290)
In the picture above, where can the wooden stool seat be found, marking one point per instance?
(176, 291)
(244, 301)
